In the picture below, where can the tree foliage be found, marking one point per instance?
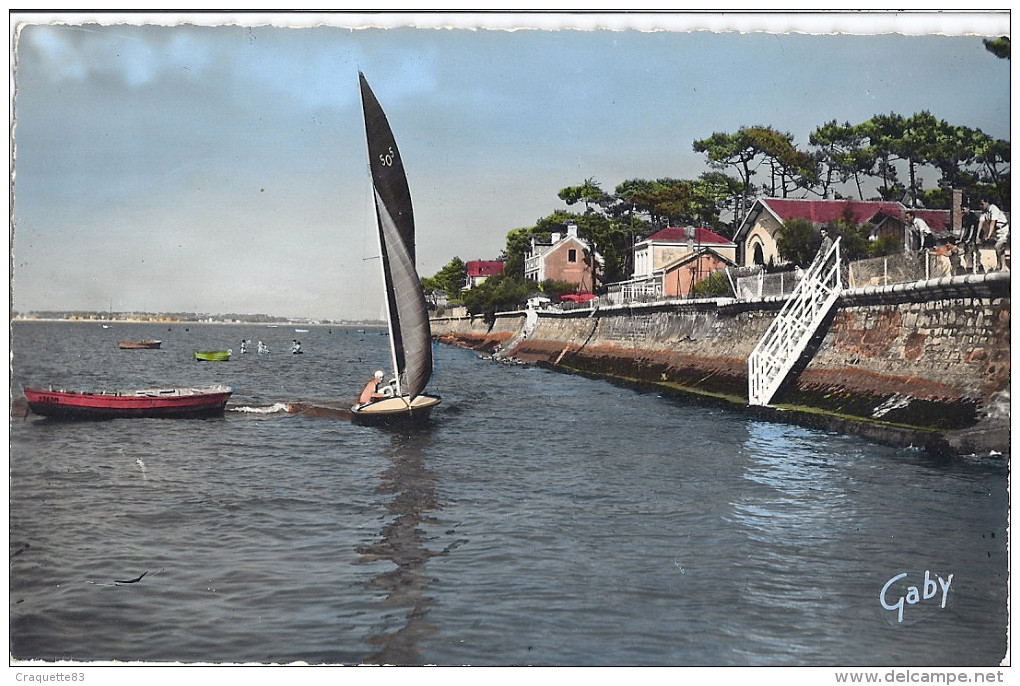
(964, 158)
(518, 243)
(555, 289)
(588, 192)
(497, 293)
(856, 243)
(732, 151)
(798, 241)
(842, 156)
(789, 168)
(662, 200)
(998, 46)
(753, 149)
(882, 133)
(715, 284)
(452, 278)
(769, 162)
(672, 202)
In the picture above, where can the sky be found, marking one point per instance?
(216, 163)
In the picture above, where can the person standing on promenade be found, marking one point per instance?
(919, 228)
(995, 225)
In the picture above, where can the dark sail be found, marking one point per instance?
(410, 336)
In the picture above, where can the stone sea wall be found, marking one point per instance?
(924, 363)
(474, 332)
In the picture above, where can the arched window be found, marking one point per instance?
(759, 256)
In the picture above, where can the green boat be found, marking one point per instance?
(212, 355)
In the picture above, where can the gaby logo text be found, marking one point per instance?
(892, 597)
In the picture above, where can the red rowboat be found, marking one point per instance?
(149, 402)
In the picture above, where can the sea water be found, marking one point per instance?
(542, 518)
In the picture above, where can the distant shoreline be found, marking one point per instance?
(206, 321)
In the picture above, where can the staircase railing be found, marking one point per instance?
(787, 337)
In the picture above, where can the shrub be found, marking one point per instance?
(715, 284)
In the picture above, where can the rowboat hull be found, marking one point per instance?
(151, 402)
(395, 412)
(139, 345)
(212, 355)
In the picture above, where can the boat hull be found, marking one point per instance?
(212, 355)
(139, 345)
(148, 403)
(396, 412)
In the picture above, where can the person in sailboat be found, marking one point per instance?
(296, 348)
(244, 346)
(373, 390)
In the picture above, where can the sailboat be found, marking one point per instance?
(403, 400)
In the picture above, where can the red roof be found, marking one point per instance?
(483, 267)
(824, 211)
(937, 220)
(679, 233)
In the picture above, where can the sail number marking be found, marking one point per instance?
(388, 158)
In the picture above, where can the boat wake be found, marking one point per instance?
(330, 409)
(310, 409)
(269, 409)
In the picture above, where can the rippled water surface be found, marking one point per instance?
(541, 519)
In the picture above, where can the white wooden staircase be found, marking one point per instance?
(787, 337)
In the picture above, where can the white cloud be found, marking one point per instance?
(57, 57)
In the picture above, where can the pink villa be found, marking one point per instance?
(680, 275)
(671, 260)
(566, 257)
(664, 247)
